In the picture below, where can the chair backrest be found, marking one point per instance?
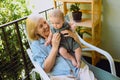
(37, 68)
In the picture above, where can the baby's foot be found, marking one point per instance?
(78, 64)
(74, 62)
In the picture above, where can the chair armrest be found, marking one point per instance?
(91, 47)
(37, 68)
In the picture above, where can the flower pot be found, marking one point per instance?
(77, 16)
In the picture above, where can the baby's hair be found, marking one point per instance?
(57, 13)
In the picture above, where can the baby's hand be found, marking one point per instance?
(47, 42)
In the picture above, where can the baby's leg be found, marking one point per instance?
(78, 56)
(67, 55)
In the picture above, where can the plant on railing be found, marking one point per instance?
(11, 10)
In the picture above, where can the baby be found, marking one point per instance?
(68, 46)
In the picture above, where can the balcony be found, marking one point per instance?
(13, 42)
(12, 38)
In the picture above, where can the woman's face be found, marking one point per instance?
(43, 28)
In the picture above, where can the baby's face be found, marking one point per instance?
(57, 23)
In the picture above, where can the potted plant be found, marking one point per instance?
(76, 13)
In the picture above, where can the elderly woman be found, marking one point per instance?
(47, 56)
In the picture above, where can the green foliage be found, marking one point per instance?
(78, 30)
(11, 63)
(82, 30)
(75, 7)
(12, 9)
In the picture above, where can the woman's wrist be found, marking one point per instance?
(54, 48)
(54, 52)
(50, 60)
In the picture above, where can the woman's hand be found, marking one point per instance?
(72, 25)
(56, 40)
(69, 33)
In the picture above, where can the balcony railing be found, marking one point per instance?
(13, 43)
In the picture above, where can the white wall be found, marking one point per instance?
(39, 5)
(111, 27)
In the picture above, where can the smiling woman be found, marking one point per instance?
(39, 5)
